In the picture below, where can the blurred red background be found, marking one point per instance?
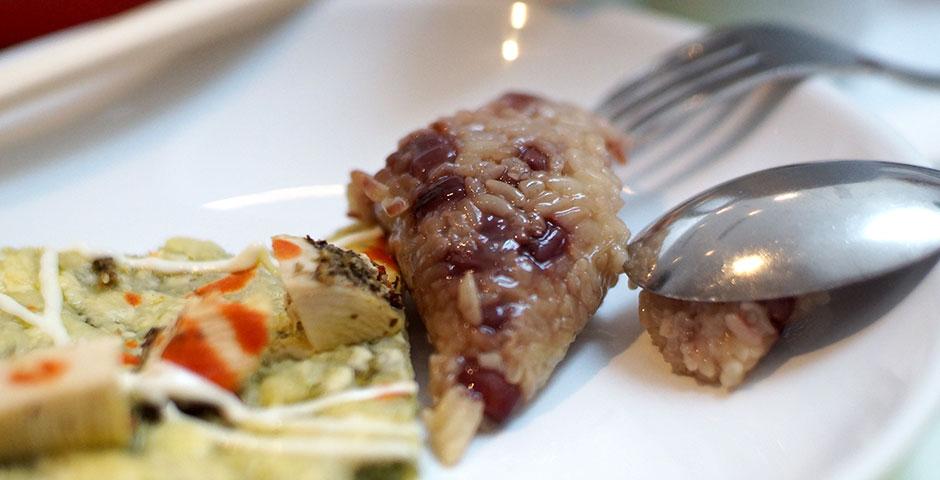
(21, 20)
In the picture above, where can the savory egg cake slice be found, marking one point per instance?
(504, 222)
(192, 363)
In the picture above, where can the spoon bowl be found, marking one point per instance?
(790, 231)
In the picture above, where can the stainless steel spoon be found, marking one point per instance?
(791, 230)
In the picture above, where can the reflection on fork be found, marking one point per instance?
(699, 137)
(728, 62)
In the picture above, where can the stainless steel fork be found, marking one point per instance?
(731, 61)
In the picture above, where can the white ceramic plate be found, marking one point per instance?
(249, 138)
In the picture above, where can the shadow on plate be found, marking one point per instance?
(602, 340)
(420, 350)
(849, 310)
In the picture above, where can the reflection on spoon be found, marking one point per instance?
(792, 230)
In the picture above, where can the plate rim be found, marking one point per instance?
(886, 449)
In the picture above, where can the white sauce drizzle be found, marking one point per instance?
(343, 426)
(11, 306)
(160, 381)
(51, 297)
(332, 446)
(357, 395)
(248, 258)
(50, 322)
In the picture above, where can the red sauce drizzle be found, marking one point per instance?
(130, 359)
(45, 370)
(190, 349)
(232, 283)
(132, 299)
(284, 249)
(250, 326)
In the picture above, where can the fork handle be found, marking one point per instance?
(907, 74)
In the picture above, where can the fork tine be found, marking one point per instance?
(683, 54)
(679, 75)
(735, 78)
